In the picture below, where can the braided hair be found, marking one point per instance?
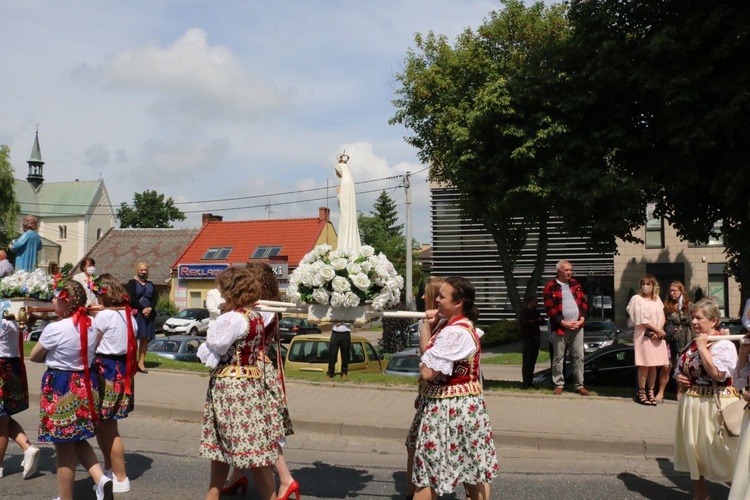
(75, 295)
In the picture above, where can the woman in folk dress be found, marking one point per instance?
(241, 419)
(452, 399)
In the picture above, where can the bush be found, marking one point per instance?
(166, 305)
(501, 332)
(394, 338)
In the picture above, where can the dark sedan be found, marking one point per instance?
(599, 333)
(609, 366)
(291, 327)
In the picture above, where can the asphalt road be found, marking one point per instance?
(332, 467)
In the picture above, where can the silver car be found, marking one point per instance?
(404, 363)
(180, 348)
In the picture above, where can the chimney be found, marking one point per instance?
(324, 214)
(211, 218)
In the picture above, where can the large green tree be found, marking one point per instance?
(9, 208)
(150, 209)
(484, 115)
(659, 89)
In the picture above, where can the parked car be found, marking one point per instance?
(160, 318)
(291, 327)
(33, 334)
(309, 353)
(404, 363)
(179, 348)
(598, 333)
(272, 354)
(192, 321)
(609, 366)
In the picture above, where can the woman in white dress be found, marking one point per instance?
(741, 479)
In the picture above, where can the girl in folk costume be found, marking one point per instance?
(241, 419)
(274, 382)
(14, 395)
(704, 371)
(114, 367)
(67, 405)
(454, 444)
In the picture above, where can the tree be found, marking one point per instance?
(9, 208)
(483, 115)
(149, 209)
(659, 89)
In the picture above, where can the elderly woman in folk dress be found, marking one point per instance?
(454, 444)
(241, 420)
(704, 369)
(646, 311)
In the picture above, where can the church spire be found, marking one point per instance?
(36, 165)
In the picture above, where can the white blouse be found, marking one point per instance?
(9, 339)
(229, 327)
(114, 327)
(451, 344)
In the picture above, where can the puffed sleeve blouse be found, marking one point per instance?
(451, 344)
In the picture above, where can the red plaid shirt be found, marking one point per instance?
(553, 303)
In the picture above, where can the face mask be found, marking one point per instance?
(143, 275)
(90, 270)
(647, 289)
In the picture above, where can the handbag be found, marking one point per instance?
(731, 416)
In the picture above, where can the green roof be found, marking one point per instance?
(56, 199)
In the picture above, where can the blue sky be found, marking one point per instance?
(208, 100)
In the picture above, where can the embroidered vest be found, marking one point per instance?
(241, 361)
(464, 379)
(690, 365)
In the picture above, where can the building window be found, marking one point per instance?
(216, 253)
(654, 228)
(98, 233)
(265, 252)
(62, 232)
(718, 286)
(713, 241)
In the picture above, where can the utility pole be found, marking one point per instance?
(409, 252)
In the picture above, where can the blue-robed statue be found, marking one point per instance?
(28, 245)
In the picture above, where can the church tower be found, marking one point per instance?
(36, 165)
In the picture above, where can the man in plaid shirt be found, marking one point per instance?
(566, 308)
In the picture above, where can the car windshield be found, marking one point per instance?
(597, 327)
(164, 346)
(187, 314)
(404, 364)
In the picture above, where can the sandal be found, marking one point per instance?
(642, 399)
(651, 398)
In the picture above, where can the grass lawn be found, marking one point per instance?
(513, 358)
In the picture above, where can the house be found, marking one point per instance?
(220, 244)
(119, 251)
(73, 215)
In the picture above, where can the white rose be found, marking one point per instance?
(307, 278)
(339, 263)
(337, 299)
(351, 299)
(338, 254)
(393, 283)
(323, 249)
(361, 281)
(320, 296)
(341, 284)
(353, 268)
(367, 251)
(309, 258)
(382, 271)
(379, 301)
(327, 273)
(365, 266)
(318, 280)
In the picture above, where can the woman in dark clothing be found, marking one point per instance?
(143, 297)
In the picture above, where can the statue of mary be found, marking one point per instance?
(348, 232)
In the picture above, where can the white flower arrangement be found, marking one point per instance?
(35, 285)
(341, 279)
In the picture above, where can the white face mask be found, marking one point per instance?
(91, 270)
(647, 289)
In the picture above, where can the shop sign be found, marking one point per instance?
(200, 271)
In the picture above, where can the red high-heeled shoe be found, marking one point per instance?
(293, 488)
(231, 489)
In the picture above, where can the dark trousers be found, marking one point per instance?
(530, 351)
(343, 341)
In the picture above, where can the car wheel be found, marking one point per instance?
(194, 331)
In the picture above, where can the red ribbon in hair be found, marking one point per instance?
(82, 320)
(132, 362)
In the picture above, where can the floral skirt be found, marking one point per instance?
(14, 388)
(699, 448)
(110, 377)
(416, 423)
(64, 414)
(241, 423)
(454, 444)
(273, 384)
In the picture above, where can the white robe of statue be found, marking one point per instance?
(348, 232)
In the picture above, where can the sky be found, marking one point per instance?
(245, 102)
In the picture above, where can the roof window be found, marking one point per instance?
(216, 253)
(263, 252)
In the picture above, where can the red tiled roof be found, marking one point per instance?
(295, 236)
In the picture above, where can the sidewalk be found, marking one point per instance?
(540, 422)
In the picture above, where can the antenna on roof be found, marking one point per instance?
(268, 208)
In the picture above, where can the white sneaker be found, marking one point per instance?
(30, 461)
(103, 490)
(120, 486)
